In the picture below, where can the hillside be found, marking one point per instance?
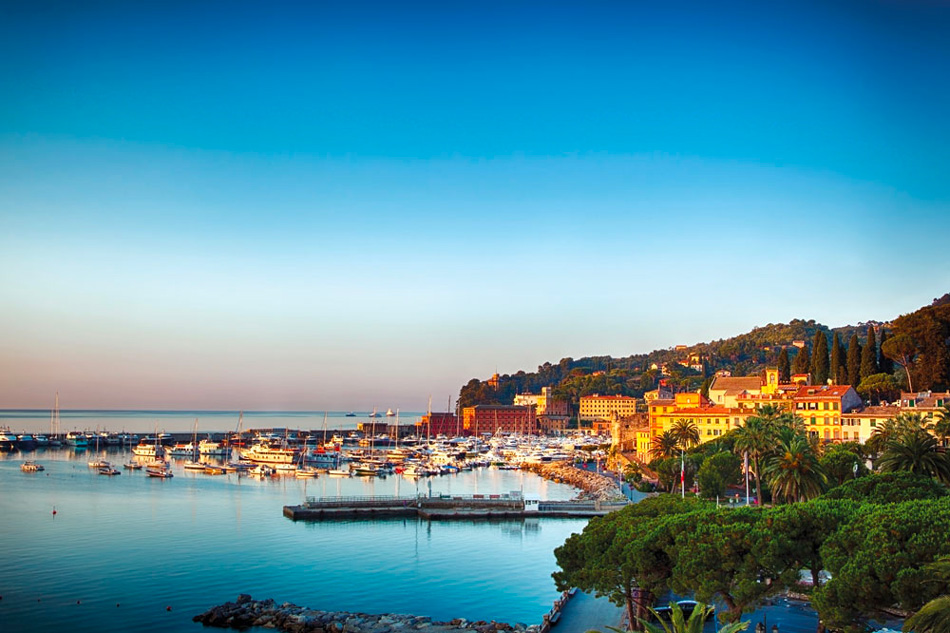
(688, 368)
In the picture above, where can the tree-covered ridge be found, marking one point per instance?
(912, 352)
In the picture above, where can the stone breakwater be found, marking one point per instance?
(594, 486)
(247, 612)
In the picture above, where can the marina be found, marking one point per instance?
(222, 535)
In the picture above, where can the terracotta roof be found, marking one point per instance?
(876, 412)
(663, 403)
(822, 391)
(736, 384)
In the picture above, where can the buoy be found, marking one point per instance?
(168, 608)
(116, 605)
(54, 510)
(78, 602)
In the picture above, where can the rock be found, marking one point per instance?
(244, 599)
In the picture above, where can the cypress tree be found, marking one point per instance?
(819, 359)
(885, 364)
(854, 361)
(837, 361)
(869, 365)
(784, 369)
(802, 362)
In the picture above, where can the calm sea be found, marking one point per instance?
(38, 420)
(120, 550)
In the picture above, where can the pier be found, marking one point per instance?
(445, 507)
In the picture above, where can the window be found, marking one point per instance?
(873, 424)
(813, 419)
(824, 405)
(834, 406)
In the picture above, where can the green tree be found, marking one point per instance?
(885, 364)
(892, 487)
(916, 452)
(717, 473)
(802, 362)
(623, 555)
(820, 368)
(794, 473)
(841, 465)
(854, 361)
(717, 554)
(902, 350)
(798, 531)
(784, 367)
(669, 471)
(838, 368)
(878, 558)
(877, 387)
(890, 429)
(754, 438)
(869, 365)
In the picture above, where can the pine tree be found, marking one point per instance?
(869, 365)
(819, 359)
(854, 361)
(885, 364)
(802, 362)
(837, 361)
(784, 369)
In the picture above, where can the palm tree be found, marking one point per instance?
(677, 623)
(941, 427)
(933, 617)
(892, 428)
(794, 472)
(686, 433)
(755, 439)
(916, 451)
(665, 445)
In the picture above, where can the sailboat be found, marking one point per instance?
(375, 414)
(54, 426)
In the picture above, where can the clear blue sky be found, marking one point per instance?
(342, 205)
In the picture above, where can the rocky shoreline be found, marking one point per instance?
(594, 486)
(247, 612)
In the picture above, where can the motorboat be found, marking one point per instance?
(214, 470)
(210, 448)
(132, 465)
(30, 466)
(76, 439)
(41, 440)
(8, 440)
(98, 462)
(109, 470)
(181, 450)
(159, 470)
(269, 454)
(153, 451)
(26, 442)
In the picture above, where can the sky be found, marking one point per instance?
(338, 206)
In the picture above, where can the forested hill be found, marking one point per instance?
(924, 335)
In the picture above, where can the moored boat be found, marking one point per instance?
(132, 465)
(158, 470)
(153, 451)
(26, 442)
(8, 440)
(267, 454)
(109, 470)
(30, 466)
(76, 439)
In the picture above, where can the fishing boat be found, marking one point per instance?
(30, 466)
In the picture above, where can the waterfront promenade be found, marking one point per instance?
(444, 507)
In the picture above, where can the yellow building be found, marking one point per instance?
(860, 425)
(822, 407)
(597, 407)
(711, 420)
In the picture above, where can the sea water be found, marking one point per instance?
(136, 553)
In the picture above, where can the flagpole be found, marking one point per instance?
(682, 474)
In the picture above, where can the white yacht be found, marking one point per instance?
(153, 451)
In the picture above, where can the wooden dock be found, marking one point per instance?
(444, 507)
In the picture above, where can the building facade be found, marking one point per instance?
(597, 407)
(489, 419)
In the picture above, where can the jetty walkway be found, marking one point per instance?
(445, 507)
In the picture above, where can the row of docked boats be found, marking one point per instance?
(10, 441)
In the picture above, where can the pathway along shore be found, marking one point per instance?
(594, 486)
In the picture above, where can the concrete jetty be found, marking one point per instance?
(445, 507)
